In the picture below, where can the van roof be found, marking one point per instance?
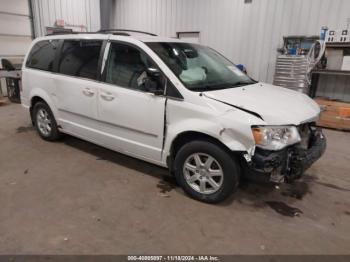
(117, 34)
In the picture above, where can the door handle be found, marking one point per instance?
(88, 92)
(107, 96)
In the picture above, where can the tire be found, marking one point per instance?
(198, 163)
(45, 123)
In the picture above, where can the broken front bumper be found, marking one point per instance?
(287, 164)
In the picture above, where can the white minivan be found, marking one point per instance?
(175, 104)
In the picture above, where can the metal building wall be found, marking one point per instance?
(245, 33)
(15, 33)
(73, 12)
(15, 28)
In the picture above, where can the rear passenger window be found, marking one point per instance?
(42, 55)
(80, 58)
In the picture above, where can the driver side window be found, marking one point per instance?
(126, 66)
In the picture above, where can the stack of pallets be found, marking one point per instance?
(334, 114)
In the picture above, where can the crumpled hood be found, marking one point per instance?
(276, 105)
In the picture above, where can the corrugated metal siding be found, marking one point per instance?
(15, 33)
(77, 12)
(15, 30)
(245, 33)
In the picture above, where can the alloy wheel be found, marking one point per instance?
(44, 122)
(203, 173)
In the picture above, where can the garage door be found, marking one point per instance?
(15, 31)
(15, 28)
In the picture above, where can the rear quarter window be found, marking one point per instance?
(42, 55)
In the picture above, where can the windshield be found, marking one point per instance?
(200, 68)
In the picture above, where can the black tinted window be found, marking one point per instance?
(42, 55)
(127, 66)
(80, 58)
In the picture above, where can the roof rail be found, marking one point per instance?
(124, 30)
(69, 33)
(104, 31)
(121, 33)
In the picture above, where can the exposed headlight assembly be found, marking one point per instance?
(275, 137)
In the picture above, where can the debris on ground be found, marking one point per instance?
(163, 195)
(284, 209)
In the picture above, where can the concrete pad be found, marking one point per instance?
(74, 197)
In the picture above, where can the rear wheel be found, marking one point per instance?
(45, 122)
(206, 171)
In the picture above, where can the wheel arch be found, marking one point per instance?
(38, 95)
(188, 136)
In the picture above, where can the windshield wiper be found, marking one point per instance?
(242, 83)
(214, 87)
(209, 87)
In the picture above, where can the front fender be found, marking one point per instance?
(230, 126)
(206, 127)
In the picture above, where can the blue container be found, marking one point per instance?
(292, 51)
(323, 32)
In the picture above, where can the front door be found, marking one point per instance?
(132, 117)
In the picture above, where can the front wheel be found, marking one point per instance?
(206, 171)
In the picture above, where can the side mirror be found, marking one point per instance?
(153, 81)
(152, 86)
(153, 72)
